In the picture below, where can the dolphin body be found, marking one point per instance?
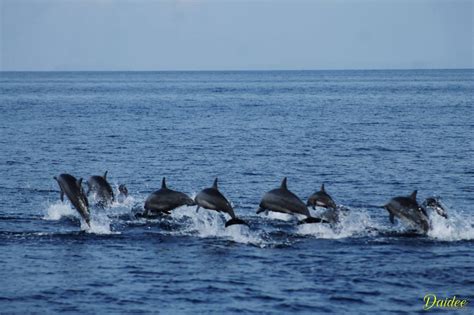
(212, 199)
(164, 200)
(102, 190)
(72, 187)
(408, 210)
(321, 199)
(284, 201)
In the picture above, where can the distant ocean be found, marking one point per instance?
(368, 135)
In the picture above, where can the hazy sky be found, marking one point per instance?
(220, 35)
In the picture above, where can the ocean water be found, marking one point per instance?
(368, 135)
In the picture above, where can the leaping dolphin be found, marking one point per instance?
(284, 201)
(101, 189)
(436, 204)
(123, 190)
(321, 199)
(212, 199)
(72, 187)
(164, 200)
(408, 210)
(123, 193)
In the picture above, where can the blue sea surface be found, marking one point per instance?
(368, 135)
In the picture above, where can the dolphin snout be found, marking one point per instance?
(190, 202)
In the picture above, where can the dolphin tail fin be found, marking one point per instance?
(312, 220)
(235, 221)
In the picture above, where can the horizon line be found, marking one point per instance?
(246, 70)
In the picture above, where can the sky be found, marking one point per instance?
(58, 35)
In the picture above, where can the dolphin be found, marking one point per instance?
(284, 201)
(102, 190)
(436, 204)
(123, 190)
(321, 199)
(165, 200)
(123, 193)
(212, 199)
(335, 215)
(72, 187)
(408, 210)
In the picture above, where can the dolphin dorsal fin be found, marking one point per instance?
(322, 188)
(283, 184)
(105, 174)
(163, 183)
(214, 185)
(413, 195)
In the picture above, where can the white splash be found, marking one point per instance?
(123, 207)
(99, 224)
(458, 226)
(352, 223)
(271, 215)
(208, 223)
(55, 211)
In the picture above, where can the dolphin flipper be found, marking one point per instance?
(197, 208)
(260, 210)
(88, 191)
(392, 218)
(312, 220)
(235, 221)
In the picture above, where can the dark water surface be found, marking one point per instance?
(368, 135)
